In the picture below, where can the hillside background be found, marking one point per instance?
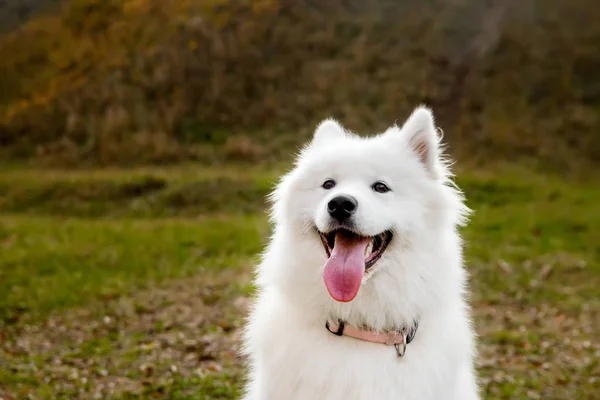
(139, 81)
(139, 140)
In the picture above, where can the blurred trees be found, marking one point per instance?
(147, 80)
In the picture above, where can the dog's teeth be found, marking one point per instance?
(369, 249)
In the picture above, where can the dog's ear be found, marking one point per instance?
(328, 130)
(421, 133)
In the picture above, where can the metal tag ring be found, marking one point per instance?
(401, 347)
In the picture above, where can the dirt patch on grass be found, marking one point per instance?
(175, 342)
(182, 341)
(538, 352)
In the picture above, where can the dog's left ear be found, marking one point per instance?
(423, 138)
(328, 130)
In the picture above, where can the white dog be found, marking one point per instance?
(362, 287)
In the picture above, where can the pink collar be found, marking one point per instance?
(399, 339)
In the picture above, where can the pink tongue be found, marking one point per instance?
(345, 268)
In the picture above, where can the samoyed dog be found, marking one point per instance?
(362, 290)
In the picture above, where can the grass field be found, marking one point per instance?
(134, 283)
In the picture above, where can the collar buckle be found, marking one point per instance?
(337, 330)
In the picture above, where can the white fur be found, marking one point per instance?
(420, 276)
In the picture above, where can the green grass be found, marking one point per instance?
(133, 283)
(49, 263)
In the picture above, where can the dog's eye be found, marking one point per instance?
(380, 187)
(328, 184)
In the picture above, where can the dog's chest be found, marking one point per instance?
(316, 365)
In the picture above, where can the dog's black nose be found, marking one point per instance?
(342, 207)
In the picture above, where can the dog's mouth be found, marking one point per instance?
(350, 257)
(373, 251)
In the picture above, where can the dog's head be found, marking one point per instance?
(355, 211)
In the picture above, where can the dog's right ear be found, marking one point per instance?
(422, 137)
(327, 130)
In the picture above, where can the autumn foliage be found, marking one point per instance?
(134, 81)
